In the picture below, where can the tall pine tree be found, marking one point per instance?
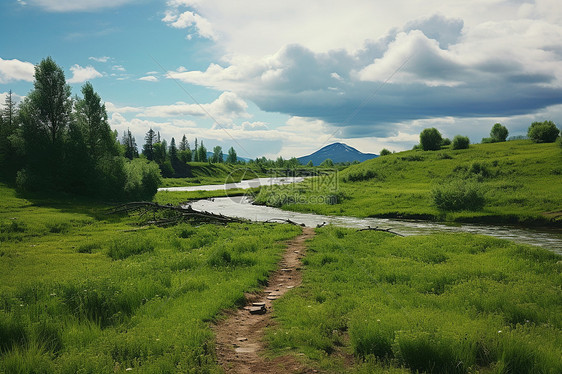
(148, 147)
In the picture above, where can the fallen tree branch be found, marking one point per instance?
(181, 213)
(369, 228)
(273, 220)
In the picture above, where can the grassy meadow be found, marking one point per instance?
(86, 292)
(207, 173)
(374, 302)
(521, 182)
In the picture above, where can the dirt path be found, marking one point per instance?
(240, 336)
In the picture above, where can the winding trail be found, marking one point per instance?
(240, 336)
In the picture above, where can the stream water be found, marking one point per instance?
(240, 206)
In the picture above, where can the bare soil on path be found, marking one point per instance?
(240, 336)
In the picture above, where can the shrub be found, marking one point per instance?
(385, 152)
(361, 175)
(461, 142)
(543, 132)
(430, 139)
(499, 133)
(487, 140)
(445, 142)
(458, 195)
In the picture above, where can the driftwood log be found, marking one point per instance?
(175, 215)
(273, 220)
(369, 228)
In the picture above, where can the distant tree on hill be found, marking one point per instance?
(499, 133)
(445, 142)
(461, 142)
(232, 158)
(430, 139)
(385, 152)
(543, 132)
(327, 163)
(217, 155)
(310, 164)
(184, 144)
(201, 153)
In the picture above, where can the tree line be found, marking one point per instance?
(173, 159)
(52, 141)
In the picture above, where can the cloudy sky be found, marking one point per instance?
(287, 77)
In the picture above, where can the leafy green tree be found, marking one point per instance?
(499, 133)
(217, 155)
(45, 115)
(148, 147)
(129, 145)
(201, 153)
(310, 164)
(385, 152)
(445, 142)
(91, 115)
(543, 132)
(232, 157)
(327, 163)
(461, 142)
(430, 139)
(185, 156)
(184, 144)
(9, 160)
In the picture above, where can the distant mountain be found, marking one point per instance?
(337, 152)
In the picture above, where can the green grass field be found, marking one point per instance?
(521, 181)
(206, 173)
(374, 302)
(84, 292)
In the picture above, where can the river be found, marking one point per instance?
(240, 206)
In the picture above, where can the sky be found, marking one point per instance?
(284, 78)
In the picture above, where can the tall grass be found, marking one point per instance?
(104, 295)
(434, 304)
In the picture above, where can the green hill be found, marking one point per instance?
(521, 182)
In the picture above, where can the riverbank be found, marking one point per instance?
(521, 182)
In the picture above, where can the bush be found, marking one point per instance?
(445, 142)
(498, 133)
(543, 132)
(458, 195)
(385, 152)
(430, 139)
(461, 142)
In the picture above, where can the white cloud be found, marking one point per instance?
(149, 78)
(82, 74)
(15, 70)
(118, 68)
(189, 20)
(102, 59)
(75, 6)
(225, 108)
